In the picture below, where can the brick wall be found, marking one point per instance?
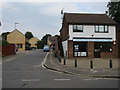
(8, 50)
(64, 33)
(91, 49)
(119, 42)
(70, 49)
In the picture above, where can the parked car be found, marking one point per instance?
(46, 48)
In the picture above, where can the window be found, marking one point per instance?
(104, 46)
(77, 28)
(19, 45)
(101, 28)
(79, 49)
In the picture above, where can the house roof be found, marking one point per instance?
(83, 18)
(17, 31)
(33, 40)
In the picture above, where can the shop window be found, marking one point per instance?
(80, 49)
(104, 47)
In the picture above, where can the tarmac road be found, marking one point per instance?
(27, 72)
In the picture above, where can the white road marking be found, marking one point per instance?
(30, 80)
(44, 60)
(88, 79)
(62, 79)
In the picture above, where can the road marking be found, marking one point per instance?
(37, 66)
(44, 60)
(9, 59)
(30, 80)
(25, 53)
(90, 79)
(62, 79)
(100, 79)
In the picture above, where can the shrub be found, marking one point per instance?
(4, 42)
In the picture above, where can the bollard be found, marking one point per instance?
(59, 59)
(91, 64)
(64, 62)
(110, 63)
(75, 63)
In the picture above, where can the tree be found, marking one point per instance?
(4, 35)
(114, 11)
(28, 35)
(5, 42)
(44, 39)
(56, 35)
(40, 44)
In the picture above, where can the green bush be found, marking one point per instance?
(4, 42)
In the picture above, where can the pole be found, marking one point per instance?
(91, 64)
(75, 63)
(15, 36)
(111, 64)
(64, 62)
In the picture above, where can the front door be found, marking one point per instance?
(96, 50)
(96, 53)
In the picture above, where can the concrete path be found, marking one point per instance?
(83, 67)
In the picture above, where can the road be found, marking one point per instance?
(27, 72)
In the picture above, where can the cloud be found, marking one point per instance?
(56, 0)
(53, 9)
(43, 17)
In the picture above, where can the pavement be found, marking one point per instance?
(101, 67)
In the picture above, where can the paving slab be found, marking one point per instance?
(83, 67)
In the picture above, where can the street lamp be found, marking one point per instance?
(15, 36)
(15, 25)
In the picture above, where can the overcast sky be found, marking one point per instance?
(43, 17)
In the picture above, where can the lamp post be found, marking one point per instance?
(15, 25)
(15, 36)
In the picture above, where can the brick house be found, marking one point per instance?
(89, 35)
(17, 38)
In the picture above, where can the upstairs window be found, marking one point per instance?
(101, 28)
(77, 28)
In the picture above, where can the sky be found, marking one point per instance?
(42, 18)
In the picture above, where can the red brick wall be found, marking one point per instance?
(70, 49)
(119, 43)
(64, 33)
(91, 49)
(8, 50)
